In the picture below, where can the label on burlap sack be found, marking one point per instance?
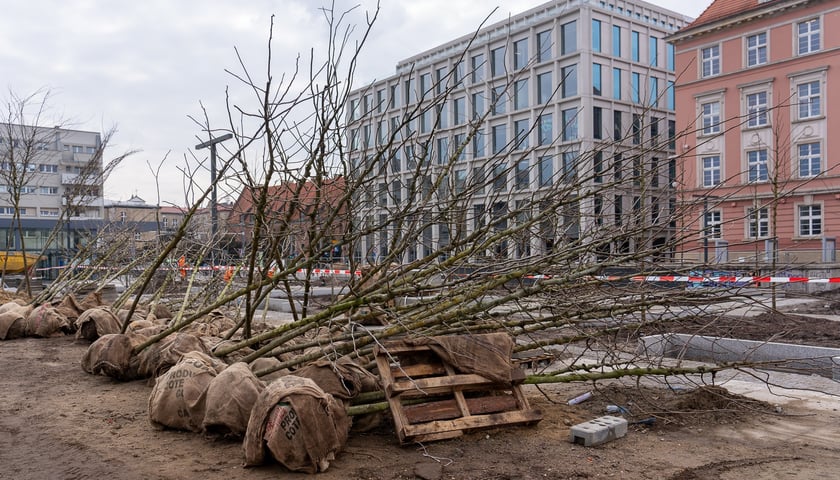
(282, 418)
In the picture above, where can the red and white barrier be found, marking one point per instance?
(720, 279)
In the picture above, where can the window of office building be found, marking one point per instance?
(568, 32)
(546, 170)
(498, 135)
(570, 130)
(670, 96)
(635, 87)
(497, 61)
(654, 91)
(598, 123)
(500, 177)
(521, 131)
(616, 40)
(440, 80)
(522, 175)
(545, 88)
(596, 36)
(597, 84)
(618, 131)
(616, 83)
(479, 108)
(499, 99)
(459, 111)
(653, 51)
(520, 94)
(670, 57)
(520, 54)
(569, 160)
(569, 81)
(545, 129)
(544, 46)
(477, 68)
(634, 45)
(478, 144)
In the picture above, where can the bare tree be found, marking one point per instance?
(29, 156)
(544, 246)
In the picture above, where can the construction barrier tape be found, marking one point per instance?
(719, 279)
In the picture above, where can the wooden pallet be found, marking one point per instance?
(430, 401)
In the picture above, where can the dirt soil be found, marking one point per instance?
(57, 422)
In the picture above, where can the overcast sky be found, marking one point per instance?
(146, 67)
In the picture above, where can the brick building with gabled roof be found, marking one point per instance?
(307, 218)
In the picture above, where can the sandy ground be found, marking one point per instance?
(57, 422)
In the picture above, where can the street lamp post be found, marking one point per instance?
(214, 210)
(705, 231)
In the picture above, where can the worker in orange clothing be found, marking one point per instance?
(228, 274)
(182, 265)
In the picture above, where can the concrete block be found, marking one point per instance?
(601, 430)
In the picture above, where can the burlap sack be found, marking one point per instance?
(178, 397)
(230, 397)
(140, 313)
(161, 311)
(12, 318)
(95, 322)
(15, 305)
(45, 321)
(69, 307)
(150, 331)
(487, 354)
(91, 300)
(214, 324)
(342, 378)
(140, 324)
(161, 356)
(217, 343)
(111, 355)
(301, 425)
(268, 363)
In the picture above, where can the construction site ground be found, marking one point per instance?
(57, 422)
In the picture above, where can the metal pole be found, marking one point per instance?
(214, 211)
(705, 231)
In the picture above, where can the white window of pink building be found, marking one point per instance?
(808, 36)
(710, 58)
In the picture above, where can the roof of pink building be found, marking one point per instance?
(721, 9)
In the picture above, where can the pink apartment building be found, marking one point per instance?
(758, 147)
